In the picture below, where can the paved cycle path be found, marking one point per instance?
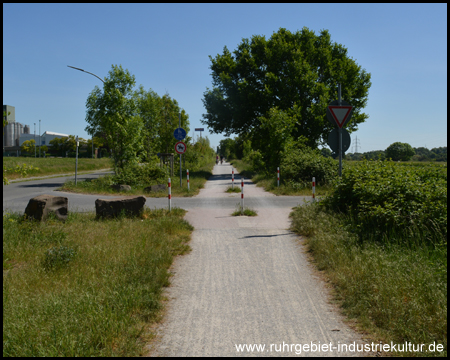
(246, 281)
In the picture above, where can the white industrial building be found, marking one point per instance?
(45, 137)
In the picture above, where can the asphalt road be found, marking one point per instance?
(17, 194)
(246, 281)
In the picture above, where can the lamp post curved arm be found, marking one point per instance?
(98, 77)
(86, 72)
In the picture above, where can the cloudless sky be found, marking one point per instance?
(166, 47)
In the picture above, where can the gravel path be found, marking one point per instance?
(246, 281)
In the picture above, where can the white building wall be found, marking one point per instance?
(25, 137)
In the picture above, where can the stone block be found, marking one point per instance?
(40, 206)
(156, 188)
(121, 187)
(110, 208)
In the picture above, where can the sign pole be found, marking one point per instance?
(340, 134)
(76, 163)
(179, 122)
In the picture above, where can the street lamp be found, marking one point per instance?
(86, 72)
(73, 67)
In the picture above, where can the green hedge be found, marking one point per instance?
(299, 165)
(384, 197)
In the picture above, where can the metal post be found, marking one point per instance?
(35, 140)
(232, 178)
(39, 138)
(242, 195)
(314, 188)
(170, 194)
(179, 125)
(340, 134)
(187, 174)
(278, 177)
(76, 162)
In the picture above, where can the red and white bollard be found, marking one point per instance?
(278, 177)
(187, 171)
(170, 194)
(314, 189)
(232, 178)
(242, 195)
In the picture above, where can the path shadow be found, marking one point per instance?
(55, 185)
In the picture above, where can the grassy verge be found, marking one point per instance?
(244, 212)
(86, 287)
(235, 189)
(50, 166)
(102, 185)
(397, 293)
(269, 183)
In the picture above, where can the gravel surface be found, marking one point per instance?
(246, 281)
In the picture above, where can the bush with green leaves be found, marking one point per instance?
(255, 159)
(134, 174)
(384, 197)
(399, 151)
(300, 163)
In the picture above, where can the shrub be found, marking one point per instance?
(399, 151)
(384, 196)
(141, 174)
(255, 159)
(300, 163)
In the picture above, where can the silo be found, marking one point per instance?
(9, 135)
(26, 129)
(17, 131)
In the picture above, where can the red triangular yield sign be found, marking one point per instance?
(340, 113)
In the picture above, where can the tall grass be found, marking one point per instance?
(86, 287)
(51, 166)
(398, 293)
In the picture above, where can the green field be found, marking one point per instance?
(25, 167)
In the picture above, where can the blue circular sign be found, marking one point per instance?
(179, 134)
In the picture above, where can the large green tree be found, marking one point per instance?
(113, 113)
(399, 151)
(296, 73)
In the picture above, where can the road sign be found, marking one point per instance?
(199, 129)
(180, 147)
(179, 134)
(339, 115)
(333, 140)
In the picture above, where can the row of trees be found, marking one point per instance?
(134, 124)
(273, 93)
(64, 146)
(239, 148)
(403, 153)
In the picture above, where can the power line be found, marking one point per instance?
(355, 147)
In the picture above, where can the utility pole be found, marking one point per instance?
(35, 140)
(39, 138)
(355, 148)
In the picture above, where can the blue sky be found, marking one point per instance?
(166, 47)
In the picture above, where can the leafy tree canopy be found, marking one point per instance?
(295, 73)
(399, 151)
